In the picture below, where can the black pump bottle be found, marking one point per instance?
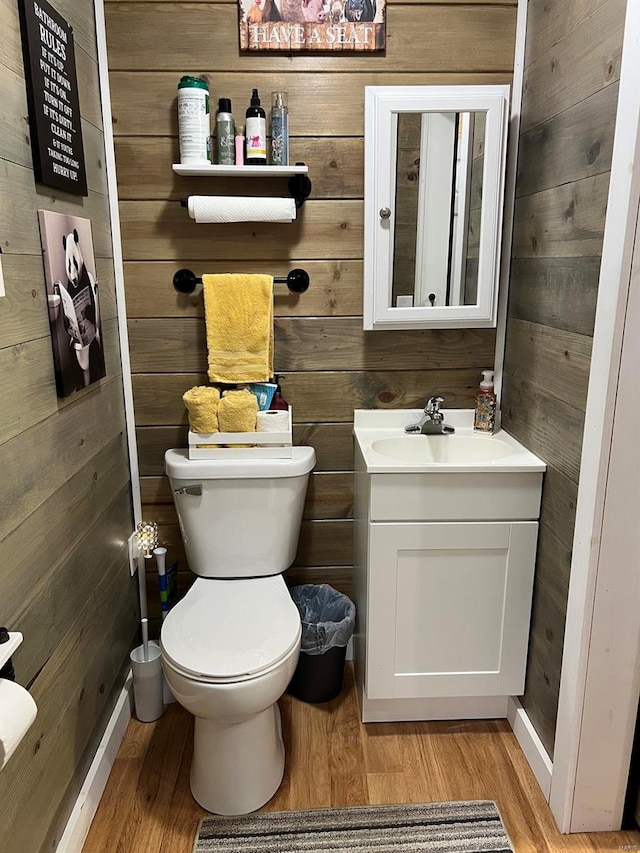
(256, 133)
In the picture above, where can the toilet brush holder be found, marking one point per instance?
(147, 682)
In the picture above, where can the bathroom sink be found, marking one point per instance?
(443, 448)
(387, 449)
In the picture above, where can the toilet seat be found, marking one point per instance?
(231, 630)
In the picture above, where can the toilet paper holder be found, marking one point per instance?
(17, 708)
(8, 644)
(296, 280)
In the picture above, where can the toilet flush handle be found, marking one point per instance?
(189, 490)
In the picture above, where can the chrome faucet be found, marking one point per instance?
(432, 422)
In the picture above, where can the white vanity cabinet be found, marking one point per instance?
(443, 579)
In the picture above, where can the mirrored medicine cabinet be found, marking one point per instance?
(434, 191)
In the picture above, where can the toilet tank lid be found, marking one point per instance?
(178, 466)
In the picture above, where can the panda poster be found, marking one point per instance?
(342, 25)
(72, 300)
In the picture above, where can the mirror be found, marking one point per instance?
(434, 178)
(439, 164)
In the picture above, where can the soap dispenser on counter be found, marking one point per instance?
(485, 414)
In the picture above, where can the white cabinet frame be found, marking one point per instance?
(383, 104)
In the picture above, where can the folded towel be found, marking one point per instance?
(238, 312)
(238, 411)
(202, 403)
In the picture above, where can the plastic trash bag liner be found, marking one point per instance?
(328, 617)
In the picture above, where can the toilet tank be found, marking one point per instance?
(239, 517)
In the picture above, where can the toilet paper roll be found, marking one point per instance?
(212, 208)
(272, 420)
(17, 713)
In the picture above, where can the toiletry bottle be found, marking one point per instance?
(279, 129)
(193, 121)
(239, 147)
(225, 133)
(278, 401)
(256, 133)
(485, 415)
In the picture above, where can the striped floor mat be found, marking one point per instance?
(464, 827)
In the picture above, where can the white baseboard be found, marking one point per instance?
(79, 822)
(531, 745)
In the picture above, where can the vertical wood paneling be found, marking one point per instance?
(569, 105)
(65, 505)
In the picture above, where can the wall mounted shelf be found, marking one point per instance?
(261, 445)
(299, 184)
(240, 171)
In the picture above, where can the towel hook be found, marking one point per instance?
(296, 280)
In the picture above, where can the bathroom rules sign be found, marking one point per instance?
(52, 95)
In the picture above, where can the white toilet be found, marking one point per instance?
(230, 646)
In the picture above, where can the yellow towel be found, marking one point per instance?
(238, 312)
(202, 404)
(238, 411)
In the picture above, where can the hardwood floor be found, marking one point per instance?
(334, 760)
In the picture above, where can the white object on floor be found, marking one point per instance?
(147, 682)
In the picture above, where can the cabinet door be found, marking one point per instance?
(448, 609)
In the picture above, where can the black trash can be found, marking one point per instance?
(328, 619)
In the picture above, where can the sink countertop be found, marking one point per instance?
(372, 425)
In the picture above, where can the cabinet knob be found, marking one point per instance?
(385, 213)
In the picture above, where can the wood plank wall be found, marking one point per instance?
(572, 70)
(65, 504)
(330, 366)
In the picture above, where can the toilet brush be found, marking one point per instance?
(147, 536)
(145, 659)
(145, 638)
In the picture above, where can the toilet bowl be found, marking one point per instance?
(231, 645)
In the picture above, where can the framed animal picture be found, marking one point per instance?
(312, 25)
(72, 301)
